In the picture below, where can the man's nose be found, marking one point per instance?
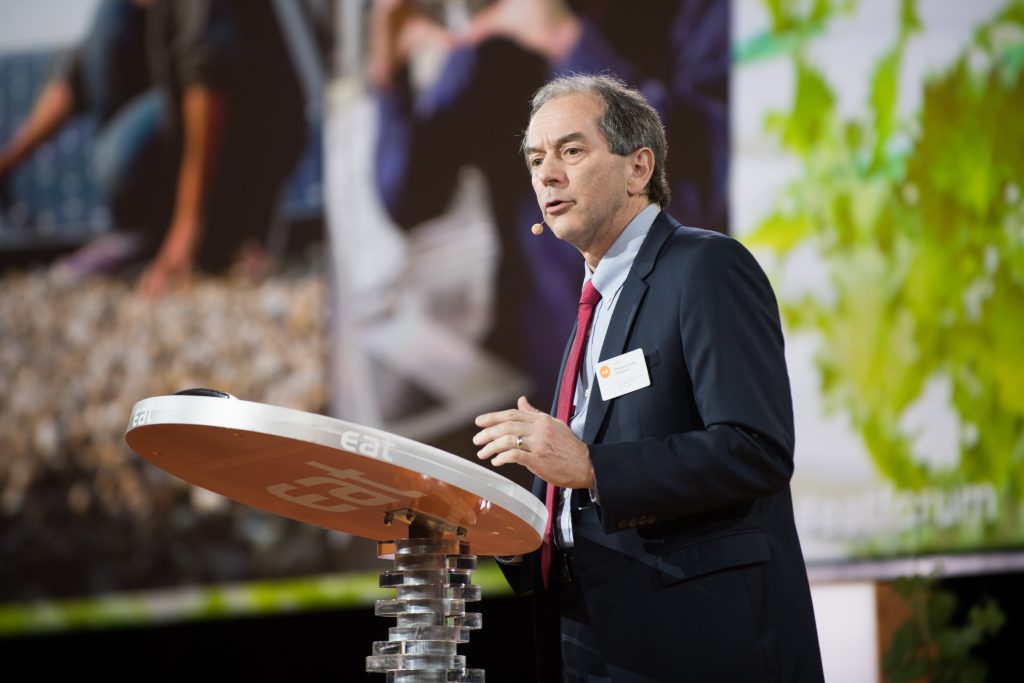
(550, 171)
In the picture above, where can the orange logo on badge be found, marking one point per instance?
(605, 371)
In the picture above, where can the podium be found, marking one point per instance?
(428, 510)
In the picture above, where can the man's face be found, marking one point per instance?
(581, 185)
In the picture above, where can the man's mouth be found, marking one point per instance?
(557, 207)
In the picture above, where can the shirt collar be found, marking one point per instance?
(613, 267)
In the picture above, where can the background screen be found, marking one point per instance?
(869, 153)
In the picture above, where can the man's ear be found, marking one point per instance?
(641, 168)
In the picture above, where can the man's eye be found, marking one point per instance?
(536, 161)
(571, 151)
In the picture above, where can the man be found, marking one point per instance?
(675, 554)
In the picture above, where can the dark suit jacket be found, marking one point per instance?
(690, 565)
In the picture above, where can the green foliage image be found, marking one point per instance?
(919, 221)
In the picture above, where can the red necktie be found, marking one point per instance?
(564, 408)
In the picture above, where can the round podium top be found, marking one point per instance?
(331, 473)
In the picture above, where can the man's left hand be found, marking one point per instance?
(537, 441)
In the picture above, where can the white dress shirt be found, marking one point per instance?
(607, 278)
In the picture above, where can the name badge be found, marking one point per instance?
(622, 374)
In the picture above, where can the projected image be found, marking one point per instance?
(364, 252)
(878, 172)
(151, 238)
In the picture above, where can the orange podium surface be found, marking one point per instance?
(332, 473)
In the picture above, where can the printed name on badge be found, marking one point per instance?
(622, 374)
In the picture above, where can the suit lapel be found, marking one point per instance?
(633, 291)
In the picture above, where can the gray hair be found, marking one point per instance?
(628, 122)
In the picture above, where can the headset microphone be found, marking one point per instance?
(537, 228)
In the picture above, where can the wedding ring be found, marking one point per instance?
(519, 442)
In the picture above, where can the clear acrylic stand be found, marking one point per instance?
(432, 578)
